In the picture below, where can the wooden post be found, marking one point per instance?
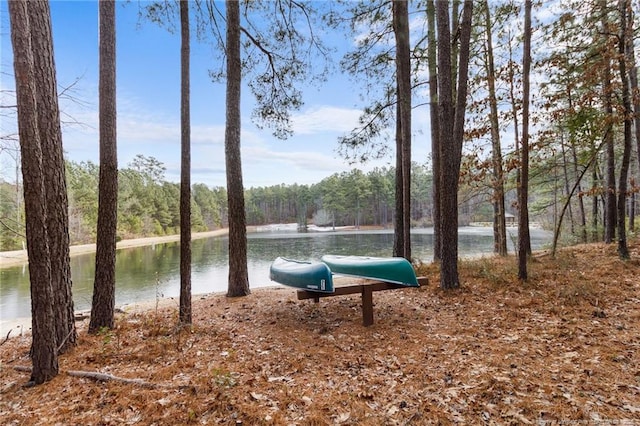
(367, 305)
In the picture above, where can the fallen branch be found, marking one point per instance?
(6, 338)
(83, 315)
(73, 329)
(22, 368)
(105, 377)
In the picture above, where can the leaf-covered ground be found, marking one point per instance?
(563, 348)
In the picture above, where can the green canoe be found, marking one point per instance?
(389, 269)
(314, 276)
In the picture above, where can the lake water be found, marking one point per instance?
(144, 273)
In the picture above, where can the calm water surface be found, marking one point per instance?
(144, 273)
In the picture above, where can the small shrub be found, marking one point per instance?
(498, 274)
(223, 378)
(575, 292)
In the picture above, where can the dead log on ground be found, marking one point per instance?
(105, 377)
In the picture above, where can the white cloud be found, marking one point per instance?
(133, 129)
(325, 119)
(291, 160)
(203, 135)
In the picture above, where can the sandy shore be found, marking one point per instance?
(19, 257)
(15, 327)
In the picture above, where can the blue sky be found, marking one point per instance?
(148, 103)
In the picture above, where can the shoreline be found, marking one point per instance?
(22, 325)
(13, 258)
(16, 327)
(9, 259)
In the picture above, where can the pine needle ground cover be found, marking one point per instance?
(563, 347)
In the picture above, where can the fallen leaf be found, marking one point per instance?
(343, 417)
(257, 396)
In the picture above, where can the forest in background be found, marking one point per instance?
(148, 203)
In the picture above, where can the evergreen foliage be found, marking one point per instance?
(148, 203)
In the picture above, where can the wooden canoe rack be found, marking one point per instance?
(365, 288)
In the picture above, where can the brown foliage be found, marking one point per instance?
(563, 346)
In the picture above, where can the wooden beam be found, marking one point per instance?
(365, 289)
(349, 289)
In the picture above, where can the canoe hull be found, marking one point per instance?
(306, 275)
(395, 270)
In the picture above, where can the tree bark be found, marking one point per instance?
(398, 224)
(524, 243)
(595, 183)
(103, 303)
(435, 128)
(623, 249)
(635, 91)
(44, 344)
(464, 33)
(565, 174)
(514, 115)
(583, 215)
(455, 11)
(499, 219)
(610, 194)
(403, 73)
(54, 172)
(448, 200)
(635, 101)
(238, 274)
(451, 132)
(185, 169)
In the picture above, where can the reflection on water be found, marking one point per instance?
(144, 273)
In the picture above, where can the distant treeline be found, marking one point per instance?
(148, 204)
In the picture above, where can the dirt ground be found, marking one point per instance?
(562, 348)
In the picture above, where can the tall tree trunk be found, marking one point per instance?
(398, 223)
(594, 204)
(623, 249)
(499, 220)
(103, 302)
(185, 316)
(635, 100)
(54, 172)
(567, 185)
(523, 196)
(451, 122)
(514, 114)
(44, 353)
(583, 216)
(455, 13)
(610, 191)
(463, 32)
(632, 207)
(435, 126)
(403, 73)
(238, 274)
(448, 192)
